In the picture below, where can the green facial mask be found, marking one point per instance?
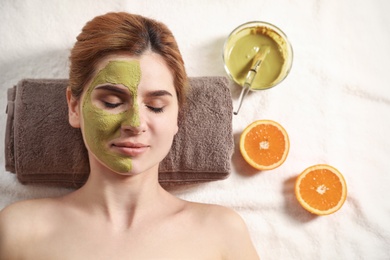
(100, 126)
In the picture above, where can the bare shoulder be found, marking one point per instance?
(227, 227)
(218, 215)
(21, 215)
(26, 211)
(18, 222)
(15, 217)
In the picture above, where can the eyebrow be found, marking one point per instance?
(112, 88)
(158, 93)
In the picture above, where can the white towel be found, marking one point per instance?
(335, 105)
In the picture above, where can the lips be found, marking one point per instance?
(129, 148)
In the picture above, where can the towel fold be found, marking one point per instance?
(42, 148)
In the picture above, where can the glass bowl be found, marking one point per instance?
(242, 45)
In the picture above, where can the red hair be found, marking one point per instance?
(128, 33)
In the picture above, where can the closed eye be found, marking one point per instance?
(111, 105)
(156, 109)
(110, 97)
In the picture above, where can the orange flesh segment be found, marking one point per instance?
(321, 189)
(265, 144)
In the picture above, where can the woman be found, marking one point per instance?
(127, 84)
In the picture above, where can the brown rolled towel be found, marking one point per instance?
(42, 148)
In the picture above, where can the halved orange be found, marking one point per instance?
(264, 144)
(321, 189)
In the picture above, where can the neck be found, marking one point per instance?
(124, 200)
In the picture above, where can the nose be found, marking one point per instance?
(132, 122)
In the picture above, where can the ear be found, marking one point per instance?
(73, 109)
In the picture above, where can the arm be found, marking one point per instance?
(9, 243)
(238, 240)
(232, 234)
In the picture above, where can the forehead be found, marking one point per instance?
(104, 61)
(148, 72)
(127, 73)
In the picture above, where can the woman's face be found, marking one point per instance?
(129, 113)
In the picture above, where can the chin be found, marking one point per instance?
(138, 170)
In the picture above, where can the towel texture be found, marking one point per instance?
(41, 147)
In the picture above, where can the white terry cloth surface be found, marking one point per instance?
(335, 105)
